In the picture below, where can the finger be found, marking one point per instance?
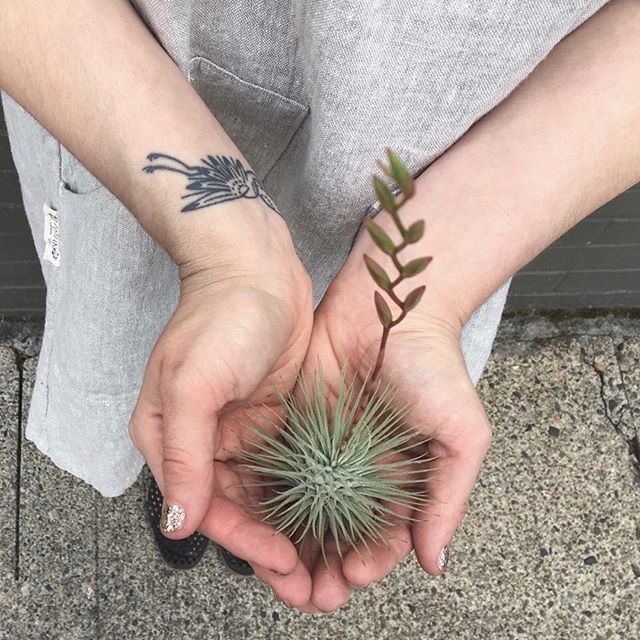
(311, 557)
(293, 589)
(145, 425)
(363, 567)
(330, 588)
(458, 461)
(370, 563)
(189, 415)
(309, 552)
(229, 525)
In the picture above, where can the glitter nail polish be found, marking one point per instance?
(172, 518)
(443, 559)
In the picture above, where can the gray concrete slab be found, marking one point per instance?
(628, 353)
(556, 509)
(57, 545)
(550, 548)
(9, 393)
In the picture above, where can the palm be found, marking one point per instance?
(218, 356)
(235, 491)
(425, 362)
(231, 519)
(259, 376)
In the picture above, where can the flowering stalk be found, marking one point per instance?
(398, 172)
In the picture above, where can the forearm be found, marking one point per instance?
(562, 144)
(94, 76)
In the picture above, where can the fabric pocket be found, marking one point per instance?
(77, 178)
(260, 121)
(73, 268)
(115, 290)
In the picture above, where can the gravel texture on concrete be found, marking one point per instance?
(57, 551)
(550, 547)
(9, 429)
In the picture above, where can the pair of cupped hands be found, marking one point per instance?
(245, 322)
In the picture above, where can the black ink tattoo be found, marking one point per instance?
(218, 179)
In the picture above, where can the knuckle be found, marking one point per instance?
(182, 466)
(459, 511)
(173, 368)
(132, 428)
(472, 440)
(184, 378)
(484, 435)
(134, 431)
(176, 464)
(177, 377)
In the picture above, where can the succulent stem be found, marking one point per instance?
(398, 172)
(380, 358)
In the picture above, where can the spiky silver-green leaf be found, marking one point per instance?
(341, 470)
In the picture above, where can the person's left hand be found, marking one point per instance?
(424, 360)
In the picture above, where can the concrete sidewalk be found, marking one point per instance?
(550, 548)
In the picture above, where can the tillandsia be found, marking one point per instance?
(349, 468)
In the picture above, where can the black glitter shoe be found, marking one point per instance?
(178, 554)
(237, 565)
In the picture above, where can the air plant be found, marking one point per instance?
(342, 469)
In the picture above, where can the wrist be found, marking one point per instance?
(231, 239)
(208, 213)
(470, 236)
(251, 247)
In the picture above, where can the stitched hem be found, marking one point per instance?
(119, 478)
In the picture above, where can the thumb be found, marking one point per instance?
(189, 426)
(459, 448)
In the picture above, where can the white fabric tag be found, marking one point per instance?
(51, 241)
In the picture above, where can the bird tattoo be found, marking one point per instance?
(218, 179)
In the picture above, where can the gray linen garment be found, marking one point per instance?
(311, 92)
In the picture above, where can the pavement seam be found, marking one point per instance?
(20, 357)
(96, 569)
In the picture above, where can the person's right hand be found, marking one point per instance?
(424, 362)
(241, 324)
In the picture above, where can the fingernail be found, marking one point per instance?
(171, 518)
(443, 559)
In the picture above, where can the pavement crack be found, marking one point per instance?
(618, 414)
(608, 412)
(633, 442)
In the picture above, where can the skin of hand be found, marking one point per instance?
(490, 205)
(229, 339)
(425, 361)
